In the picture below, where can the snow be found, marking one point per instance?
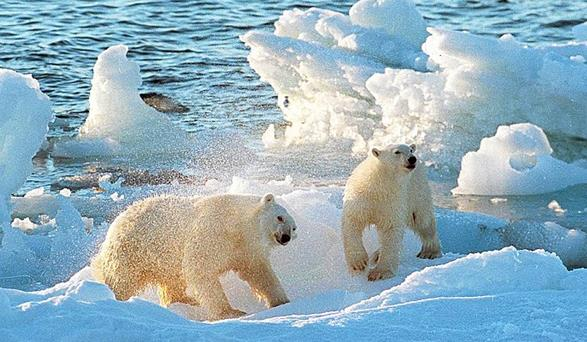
(482, 291)
(570, 245)
(516, 161)
(37, 255)
(502, 296)
(119, 121)
(373, 78)
(398, 18)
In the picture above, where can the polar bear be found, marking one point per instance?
(183, 245)
(390, 190)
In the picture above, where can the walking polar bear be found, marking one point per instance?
(183, 245)
(389, 190)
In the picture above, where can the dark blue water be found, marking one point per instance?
(190, 51)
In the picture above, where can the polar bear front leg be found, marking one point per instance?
(264, 283)
(352, 238)
(211, 295)
(425, 227)
(390, 239)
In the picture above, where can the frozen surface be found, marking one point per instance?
(444, 92)
(502, 287)
(493, 295)
(516, 161)
(119, 122)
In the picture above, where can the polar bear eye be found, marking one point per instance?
(280, 219)
(397, 152)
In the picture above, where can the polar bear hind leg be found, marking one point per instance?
(425, 227)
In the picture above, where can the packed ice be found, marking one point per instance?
(445, 94)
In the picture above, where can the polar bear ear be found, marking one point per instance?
(413, 147)
(268, 198)
(375, 152)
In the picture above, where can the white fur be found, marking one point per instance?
(182, 243)
(384, 192)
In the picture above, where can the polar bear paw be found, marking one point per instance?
(379, 274)
(229, 313)
(430, 251)
(359, 262)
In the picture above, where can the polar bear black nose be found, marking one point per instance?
(412, 160)
(285, 238)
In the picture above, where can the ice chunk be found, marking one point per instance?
(35, 192)
(516, 161)
(119, 122)
(569, 244)
(25, 113)
(556, 207)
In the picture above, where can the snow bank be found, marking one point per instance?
(119, 121)
(487, 291)
(352, 78)
(516, 161)
(496, 295)
(489, 273)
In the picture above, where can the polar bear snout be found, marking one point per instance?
(411, 162)
(284, 234)
(282, 239)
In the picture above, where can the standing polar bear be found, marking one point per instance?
(183, 245)
(389, 190)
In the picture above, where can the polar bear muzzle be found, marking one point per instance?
(282, 239)
(412, 162)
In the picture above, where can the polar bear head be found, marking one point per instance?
(276, 221)
(399, 157)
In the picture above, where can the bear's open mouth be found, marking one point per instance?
(411, 166)
(282, 239)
